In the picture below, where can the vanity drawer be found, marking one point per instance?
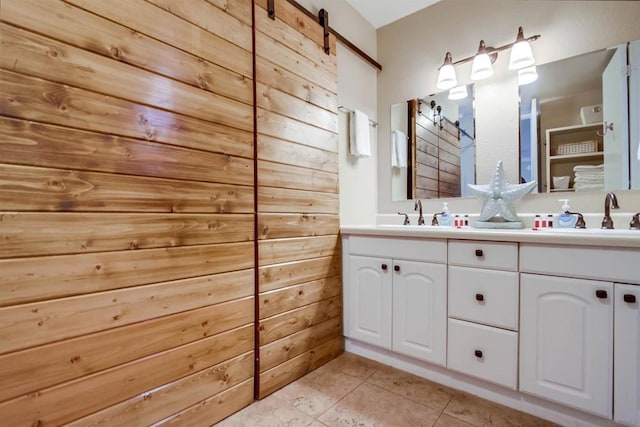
(588, 262)
(497, 255)
(484, 296)
(430, 250)
(483, 352)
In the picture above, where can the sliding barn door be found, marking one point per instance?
(300, 301)
(126, 212)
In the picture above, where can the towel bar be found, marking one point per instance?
(349, 110)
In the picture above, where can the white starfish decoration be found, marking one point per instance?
(499, 196)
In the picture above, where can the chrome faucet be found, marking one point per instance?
(635, 222)
(610, 202)
(417, 205)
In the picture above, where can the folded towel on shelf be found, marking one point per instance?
(360, 143)
(588, 177)
(588, 168)
(589, 180)
(398, 149)
(587, 187)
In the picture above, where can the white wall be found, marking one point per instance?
(411, 50)
(357, 88)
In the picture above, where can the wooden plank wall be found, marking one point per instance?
(299, 263)
(126, 211)
(437, 159)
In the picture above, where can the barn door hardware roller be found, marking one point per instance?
(323, 19)
(271, 8)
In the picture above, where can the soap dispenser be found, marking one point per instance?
(445, 218)
(566, 219)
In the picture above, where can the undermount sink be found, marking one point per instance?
(593, 231)
(411, 227)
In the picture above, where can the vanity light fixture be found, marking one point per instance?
(521, 57)
(481, 67)
(447, 74)
(458, 92)
(521, 53)
(527, 75)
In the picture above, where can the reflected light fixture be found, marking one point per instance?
(457, 93)
(521, 57)
(481, 67)
(521, 53)
(447, 74)
(527, 75)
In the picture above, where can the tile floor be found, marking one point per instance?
(354, 391)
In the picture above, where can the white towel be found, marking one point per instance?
(398, 149)
(360, 145)
(589, 167)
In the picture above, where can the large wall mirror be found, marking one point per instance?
(579, 122)
(433, 145)
(591, 117)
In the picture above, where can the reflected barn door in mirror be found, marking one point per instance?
(437, 152)
(440, 156)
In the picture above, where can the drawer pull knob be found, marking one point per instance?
(478, 354)
(479, 253)
(384, 267)
(396, 268)
(601, 294)
(479, 297)
(630, 298)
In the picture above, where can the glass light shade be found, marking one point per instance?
(481, 67)
(457, 93)
(527, 75)
(446, 77)
(521, 56)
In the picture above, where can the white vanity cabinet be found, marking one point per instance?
(396, 295)
(542, 322)
(570, 312)
(368, 306)
(566, 341)
(626, 403)
(483, 310)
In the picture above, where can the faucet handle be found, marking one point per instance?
(580, 221)
(406, 218)
(635, 222)
(434, 220)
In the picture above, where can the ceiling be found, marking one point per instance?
(382, 12)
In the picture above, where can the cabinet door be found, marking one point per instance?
(370, 300)
(419, 310)
(626, 406)
(566, 341)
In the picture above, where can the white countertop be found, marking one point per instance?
(587, 237)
